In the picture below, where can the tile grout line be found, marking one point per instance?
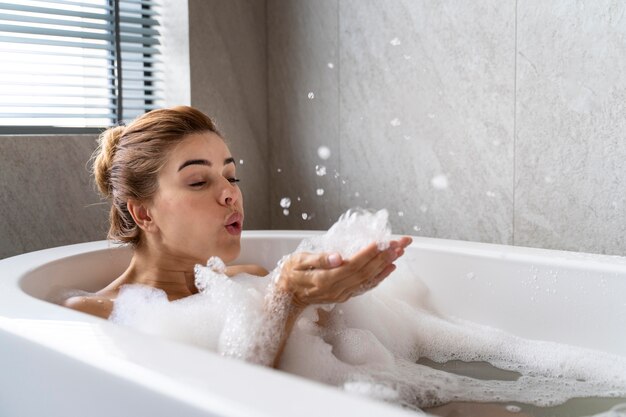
(514, 123)
(340, 204)
(268, 154)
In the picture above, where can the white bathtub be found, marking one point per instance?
(58, 362)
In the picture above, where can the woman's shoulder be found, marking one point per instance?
(96, 305)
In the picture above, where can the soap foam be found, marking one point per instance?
(372, 342)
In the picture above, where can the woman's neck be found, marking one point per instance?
(159, 269)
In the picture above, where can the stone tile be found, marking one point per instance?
(303, 111)
(229, 83)
(427, 113)
(571, 57)
(48, 197)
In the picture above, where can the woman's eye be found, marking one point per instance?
(233, 180)
(197, 184)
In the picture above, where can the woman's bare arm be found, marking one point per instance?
(258, 270)
(94, 305)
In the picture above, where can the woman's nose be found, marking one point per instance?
(228, 195)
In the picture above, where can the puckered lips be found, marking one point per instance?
(234, 223)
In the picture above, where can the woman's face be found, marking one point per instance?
(198, 207)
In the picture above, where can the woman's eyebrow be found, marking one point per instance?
(206, 162)
(195, 162)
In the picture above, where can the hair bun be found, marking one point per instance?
(103, 158)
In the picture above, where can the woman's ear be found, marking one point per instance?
(141, 215)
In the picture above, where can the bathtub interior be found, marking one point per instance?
(72, 362)
(558, 296)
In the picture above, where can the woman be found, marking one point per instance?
(173, 187)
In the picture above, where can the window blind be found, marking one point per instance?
(78, 63)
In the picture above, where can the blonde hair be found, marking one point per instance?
(129, 158)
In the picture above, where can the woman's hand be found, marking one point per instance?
(326, 278)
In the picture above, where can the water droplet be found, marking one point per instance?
(431, 116)
(490, 194)
(320, 170)
(439, 182)
(395, 122)
(407, 57)
(100, 301)
(496, 143)
(357, 194)
(241, 162)
(417, 228)
(286, 212)
(471, 275)
(304, 216)
(343, 181)
(401, 214)
(331, 65)
(298, 198)
(279, 170)
(285, 202)
(407, 137)
(395, 42)
(323, 152)
(336, 175)
(423, 208)
(311, 95)
(320, 191)
(548, 179)
(513, 408)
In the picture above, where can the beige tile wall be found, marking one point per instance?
(48, 198)
(494, 121)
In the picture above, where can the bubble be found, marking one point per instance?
(331, 65)
(298, 198)
(395, 122)
(320, 170)
(305, 216)
(431, 116)
(401, 214)
(548, 179)
(279, 170)
(407, 57)
(323, 152)
(423, 208)
(471, 275)
(417, 228)
(395, 42)
(490, 194)
(357, 194)
(439, 182)
(286, 212)
(285, 202)
(311, 95)
(513, 409)
(241, 162)
(407, 137)
(320, 191)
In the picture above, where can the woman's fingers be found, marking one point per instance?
(327, 278)
(307, 261)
